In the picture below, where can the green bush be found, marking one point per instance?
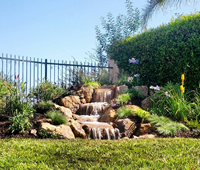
(124, 112)
(46, 91)
(134, 93)
(164, 53)
(123, 98)
(44, 106)
(92, 84)
(165, 126)
(57, 117)
(19, 122)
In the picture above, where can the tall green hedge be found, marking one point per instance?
(164, 53)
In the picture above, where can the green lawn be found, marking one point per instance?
(174, 153)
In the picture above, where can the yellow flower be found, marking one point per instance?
(182, 89)
(182, 77)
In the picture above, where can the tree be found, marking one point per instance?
(154, 5)
(115, 29)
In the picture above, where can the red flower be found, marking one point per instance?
(4, 84)
(16, 77)
(44, 88)
(10, 86)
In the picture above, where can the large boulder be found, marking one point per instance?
(62, 130)
(126, 127)
(86, 93)
(146, 103)
(120, 89)
(143, 90)
(77, 129)
(66, 111)
(145, 128)
(108, 116)
(71, 102)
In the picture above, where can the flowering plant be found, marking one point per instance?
(17, 99)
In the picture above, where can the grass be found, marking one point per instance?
(170, 153)
(57, 117)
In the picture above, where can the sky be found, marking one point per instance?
(64, 29)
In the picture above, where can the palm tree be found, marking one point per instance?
(154, 5)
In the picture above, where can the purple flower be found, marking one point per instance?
(136, 75)
(133, 61)
(167, 94)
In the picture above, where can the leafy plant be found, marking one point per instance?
(134, 93)
(123, 98)
(93, 84)
(192, 124)
(42, 133)
(124, 112)
(57, 117)
(46, 91)
(44, 106)
(19, 122)
(17, 99)
(165, 126)
(168, 101)
(143, 114)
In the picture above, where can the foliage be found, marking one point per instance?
(124, 112)
(93, 84)
(143, 114)
(157, 153)
(169, 101)
(19, 122)
(115, 29)
(134, 93)
(165, 126)
(154, 5)
(44, 106)
(192, 124)
(57, 117)
(17, 99)
(46, 91)
(42, 133)
(123, 98)
(164, 53)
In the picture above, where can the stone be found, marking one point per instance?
(143, 90)
(120, 89)
(146, 103)
(83, 101)
(126, 127)
(103, 95)
(86, 93)
(63, 130)
(147, 136)
(112, 87)
(71, 102)
(77, 129)
(66, 111)
(144, 128)
(108, 116)
(33, 132)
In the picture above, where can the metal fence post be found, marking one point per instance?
(45, 69)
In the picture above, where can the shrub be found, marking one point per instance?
(46, 91)
(165, 126)
(134, 93)
(143, 114)
(44, 106)
(163, 53)
(57, 117)
(19, 122)
(192, 124)
(124, 112)
(123, 98)
(92, 84)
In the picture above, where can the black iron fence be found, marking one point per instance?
(34, 71)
